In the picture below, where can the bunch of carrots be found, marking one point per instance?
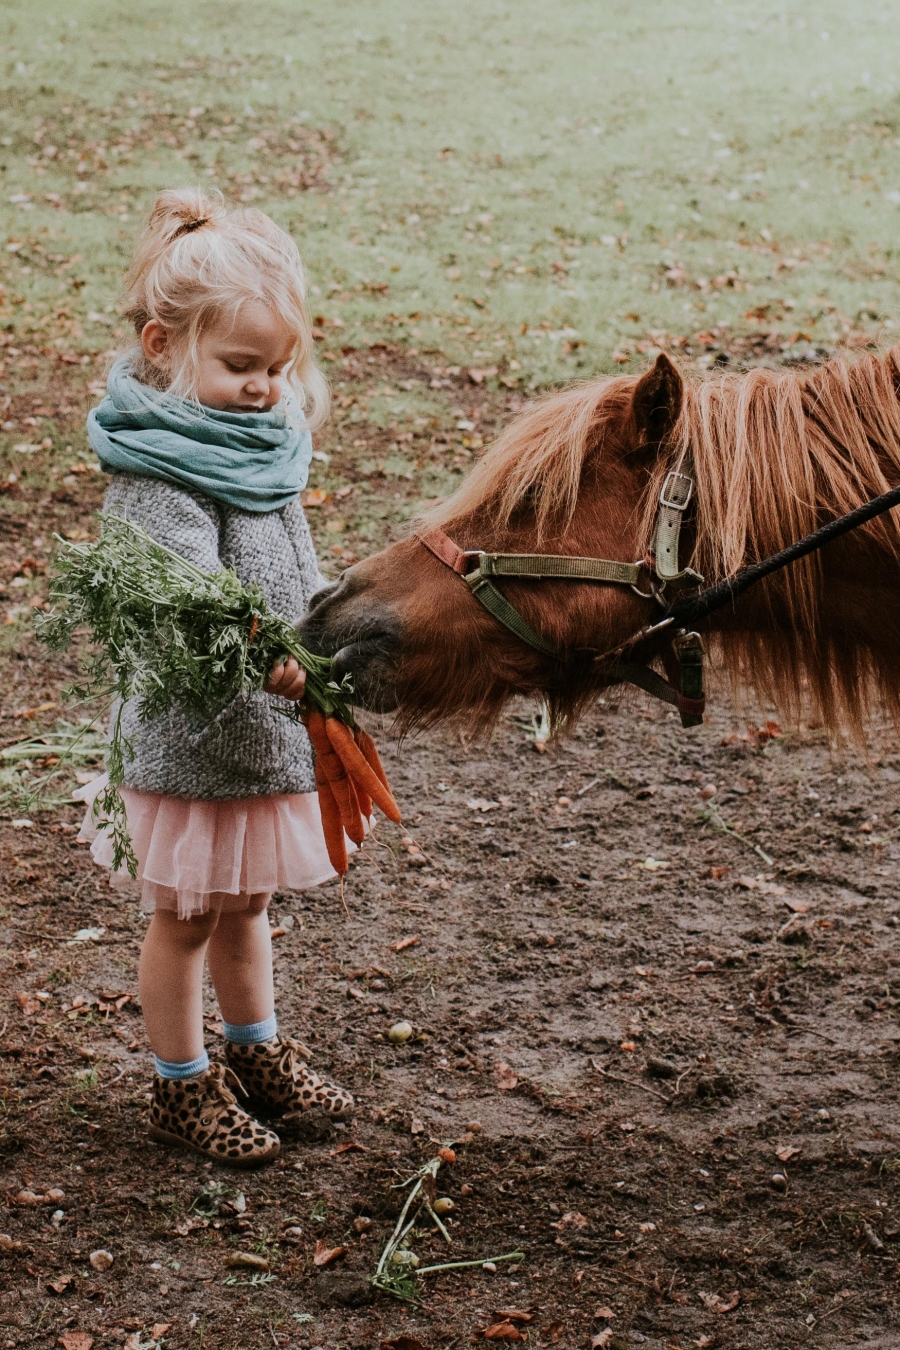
(165, 633)
(349, 779)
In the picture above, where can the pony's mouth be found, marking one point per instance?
(362, 639)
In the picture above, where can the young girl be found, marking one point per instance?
(206, 431)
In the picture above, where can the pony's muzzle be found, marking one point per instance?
(363, 639)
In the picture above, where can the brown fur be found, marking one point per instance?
(775, 453)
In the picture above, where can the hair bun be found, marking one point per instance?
(180, 211)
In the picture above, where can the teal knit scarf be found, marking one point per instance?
(255, 461)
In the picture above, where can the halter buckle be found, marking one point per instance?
(672, 484)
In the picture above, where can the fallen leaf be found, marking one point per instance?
(798, 906)
(133, 1342)
(416, 1126)
(606, 1313)
(28, 1003)
(786, 1152)
(602, 1338)
(481, 804)
(246, 1260)
(402, 945)
(324, 1255)
(513, 1315)
(506, 1077)
(315, 497)
(159, 1329)
(349, 1147)
(554, 1331)
(61, 1285)
(76, 1340)
(503, 1331)
(715, 1303)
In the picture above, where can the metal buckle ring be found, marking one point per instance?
(665, 500)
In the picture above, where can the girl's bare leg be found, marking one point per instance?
(240, 963)
(170, 978)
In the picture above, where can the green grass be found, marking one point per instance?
(602, 176)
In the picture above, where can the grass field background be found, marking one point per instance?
(602, 176)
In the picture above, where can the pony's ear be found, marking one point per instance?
(656, 404)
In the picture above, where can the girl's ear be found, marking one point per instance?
(155, 344)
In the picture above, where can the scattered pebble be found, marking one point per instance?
(400, 1032)
(362, 1224)
(778, 1181)
(443, 1205)
(101, 1259)
(661, 1068)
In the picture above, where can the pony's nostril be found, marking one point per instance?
(321, 596)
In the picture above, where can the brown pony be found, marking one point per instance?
(774, 454)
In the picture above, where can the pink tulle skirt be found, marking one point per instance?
(194, 856)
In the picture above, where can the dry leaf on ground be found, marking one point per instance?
(76, 1340)
(715, 1303)
(503, 1331)
(246, 1260)
(324, 1255)
(602, 1338)
(506, 1077)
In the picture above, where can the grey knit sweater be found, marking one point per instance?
(250, 749)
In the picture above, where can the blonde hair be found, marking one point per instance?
(196, 263)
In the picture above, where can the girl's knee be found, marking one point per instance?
(192, 932)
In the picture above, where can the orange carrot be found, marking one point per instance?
(363, 798)
(333, 830)
(369, 749)
(336, 775)
(357, 763)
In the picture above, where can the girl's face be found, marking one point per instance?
(241, 365)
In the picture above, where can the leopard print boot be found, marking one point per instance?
(203, 1113)
(279, 1082)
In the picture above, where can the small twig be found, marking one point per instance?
(437, 1220)
(120, 1074)
(458, 1265)
(587, 787)
(830, 1312)
(680, 1079)
(712, 815)
(3, 1028)
(629, 1082)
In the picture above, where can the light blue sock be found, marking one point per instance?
(189, 1070)
(253, 1033)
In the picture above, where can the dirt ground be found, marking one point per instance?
(665, 1054)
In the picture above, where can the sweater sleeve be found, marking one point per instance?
(181, 521)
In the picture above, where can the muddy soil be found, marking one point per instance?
(657, 1023)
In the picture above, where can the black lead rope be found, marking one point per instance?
(689, 610)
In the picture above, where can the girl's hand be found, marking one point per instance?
(288, 679)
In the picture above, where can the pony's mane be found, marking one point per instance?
(775, 453)
(540, 456)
